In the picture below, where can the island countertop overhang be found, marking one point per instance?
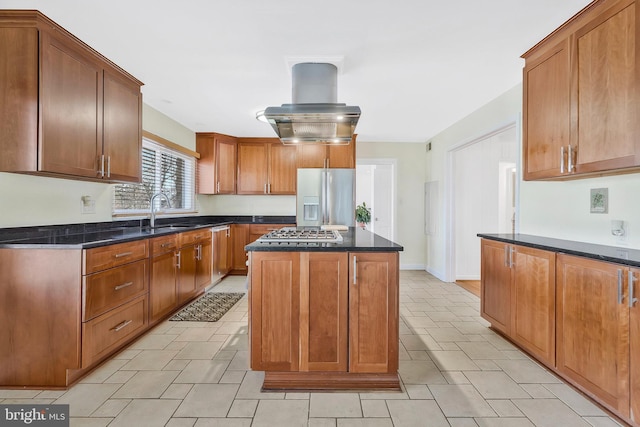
(353, 240)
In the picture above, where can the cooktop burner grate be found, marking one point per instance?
(305, 235)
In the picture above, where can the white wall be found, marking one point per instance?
(411, 177)
(558, 209)
(34, 200)
(492, 116)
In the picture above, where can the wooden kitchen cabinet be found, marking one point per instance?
(266, 166)
(274, 298)
(593, 329)
(194, 263)
(324, 311)
(547, 112)
(239, 239)
(373, 313)
(217, 163)
(580, 84)
(163, 277)
(65, 78)
(327, 156)
(222, 252)
(324, 320)
(634, 343)
(518, 295)
(495, 285)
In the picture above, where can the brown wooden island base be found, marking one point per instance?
(325, 319)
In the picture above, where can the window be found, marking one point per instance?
(163, 170)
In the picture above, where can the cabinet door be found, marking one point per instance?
(252, 168)
(221, 253)
(634, 337)
(607, 91)
(312, 156)
(373, 312)
(593, 328)
(71, 99)
(162, 285)
(122, 129)
(282, 169)
(495, 285)
(274, 297)
(226, 162)
(239, 239)
(19, 95)
(324, 311)
(204, 263)
(546, 112)
(533, 302)
(187, 287)
(342, 156)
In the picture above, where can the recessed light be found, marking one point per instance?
(260, 116)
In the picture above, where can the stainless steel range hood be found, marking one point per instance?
(314, 116)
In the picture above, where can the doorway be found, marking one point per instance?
(376, 186)
(483, 195)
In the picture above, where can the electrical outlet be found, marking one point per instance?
(87, 205)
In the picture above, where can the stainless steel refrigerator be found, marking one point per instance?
(326, 197)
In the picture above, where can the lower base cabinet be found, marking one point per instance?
(324, 320)
(593, 339)
(583, 311)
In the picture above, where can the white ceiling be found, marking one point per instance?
(413, 66)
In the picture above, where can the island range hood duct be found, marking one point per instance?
(314, 115)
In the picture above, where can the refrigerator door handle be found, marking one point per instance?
(325, 195)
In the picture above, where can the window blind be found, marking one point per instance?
(163, 170)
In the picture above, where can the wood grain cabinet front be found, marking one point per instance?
(55, 76)
(325, 320)
(580, 111)
(217, 163)
(327, 156)
(518, 295)
(593, 342)
(266, 166)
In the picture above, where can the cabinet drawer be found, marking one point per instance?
(106, 333)
(98, 259)
(160, 245)
(190, 237)
(108, 289)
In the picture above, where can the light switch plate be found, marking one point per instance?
(88, 205)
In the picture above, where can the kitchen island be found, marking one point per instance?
(325, 316)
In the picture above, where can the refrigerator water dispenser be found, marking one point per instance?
(311, 208)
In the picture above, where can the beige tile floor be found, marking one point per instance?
(455, 372)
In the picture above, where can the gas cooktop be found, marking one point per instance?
(301, 235)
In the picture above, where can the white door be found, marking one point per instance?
(375, 185)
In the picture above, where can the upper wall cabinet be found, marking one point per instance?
(66, 110)
(580, 112)
(217, 163)
(266, 166)
(327, 156)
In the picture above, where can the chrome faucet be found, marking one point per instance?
(152, 219)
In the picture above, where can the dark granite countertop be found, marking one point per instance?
(354, 240)
(92, 235)
(614, 254)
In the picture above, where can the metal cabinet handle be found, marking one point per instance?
(511, 251)
(632, 299)
(122, 325)
(355, 270)
(562, 159)
(218, 187)
(124, 285)
(108, 166)
(570, 159)
(123, 254)
(199, 252)
(619, 286)
(178, 259)
(167, 245)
